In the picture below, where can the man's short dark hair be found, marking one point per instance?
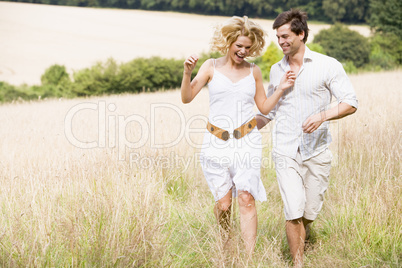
(297, 19)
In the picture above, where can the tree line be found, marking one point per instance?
(381, 51)
(350, 11)
(353, 50)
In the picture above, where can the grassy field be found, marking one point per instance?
(114, 182)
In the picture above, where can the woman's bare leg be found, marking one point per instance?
(222, 211)
(248, 220)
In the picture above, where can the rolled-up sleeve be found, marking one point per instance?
(340, 85)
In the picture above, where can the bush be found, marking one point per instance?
(55, 75)
(316, 47)
(151, 74)
(10, 93)
(344, 44)
(55, 83)
(386, 51)
(379, 59)
(135, 76)
(103, 78)
(99, 79)
(272, 55)
(349, 67)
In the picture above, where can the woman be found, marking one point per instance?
(231, 152)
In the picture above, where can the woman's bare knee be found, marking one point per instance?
(225, 202)
(246, 199)
(224, 205)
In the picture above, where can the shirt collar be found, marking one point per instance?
(308, 56)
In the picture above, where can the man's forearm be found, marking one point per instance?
(338, 112)
(261, 121)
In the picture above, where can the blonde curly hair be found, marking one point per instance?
(228, 33)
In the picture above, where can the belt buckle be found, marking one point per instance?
(237, 134)
(225, 135)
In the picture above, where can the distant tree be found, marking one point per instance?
(344, 44)
(313, 8)
(386, 16)
(357, 11)
(386, 50)
(346, 10)
(386, 21)
(56, 82)
(54, 75)
(259, 8)
(334, 9)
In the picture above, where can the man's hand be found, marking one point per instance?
(336, 112)
(313, 122)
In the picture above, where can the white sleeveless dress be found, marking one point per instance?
(235, 163)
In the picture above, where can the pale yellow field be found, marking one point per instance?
(67, 206)
(114, 180)
(33, 37)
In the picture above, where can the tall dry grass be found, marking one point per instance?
(150, 206)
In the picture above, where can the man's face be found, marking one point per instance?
(288, 40)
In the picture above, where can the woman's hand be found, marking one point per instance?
(190, 63)
(287, 80)
(190, 89)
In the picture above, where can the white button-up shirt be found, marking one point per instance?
(320, 78)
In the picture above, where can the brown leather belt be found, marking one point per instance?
(238, 133)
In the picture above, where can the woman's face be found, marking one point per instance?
(240, 49)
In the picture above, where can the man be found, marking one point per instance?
(301, 136)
